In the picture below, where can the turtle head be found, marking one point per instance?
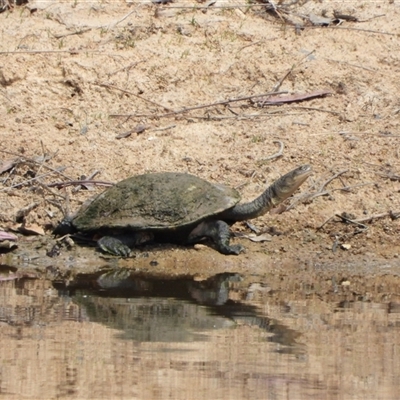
(65, 227)
(279, 191)
(289, 183)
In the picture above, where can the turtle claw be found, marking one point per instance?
(114, 246)
(236, 249)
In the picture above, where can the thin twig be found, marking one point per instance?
(362, 30)
(345, 188)
(164, 128)
(391, 214)
(113, 25)
(186, 109)
(242, 117)
(52, 192)
(131, 65)
(369, 134)
(89, 178)
(351, 65)
(390, 175)
(23, 159)
(352, 221)
(279, 100)
(317, 109)
(276, 155)
(51, 51)
(332, 178)
(325, 222)
(279, 84)
(74, 183)
(78, 32)
(134, 94)
(251, 44)
(369, 19)
(32, 179)
(309, 196)
(215, 7)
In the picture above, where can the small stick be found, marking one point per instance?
(184, 110)
(346, 188)
(390, 175)
(369, 19)
(50, 51)
(352, 221)
(320, 192)
(279, 84)
(362, 30)
(44, 158)
(279, 100)
(60, 185)
(249, 45)
(165, 128)
(89, 178)
(215, 7)
(72, 33)
(133, 94)
(276, 155)
(55, 194)
(325, 222)
(391, 214)
(332, 178)
(242, 117)
(131, 65)
(23, 159)
(113, 25)
(351, 65)
(33, 179)
(317, 109)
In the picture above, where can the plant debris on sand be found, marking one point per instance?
(238, 94)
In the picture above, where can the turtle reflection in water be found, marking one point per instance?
(175, 208)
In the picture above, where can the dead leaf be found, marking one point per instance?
(7, 236)
(319, 20)
(8, 164)
(32, 229)
(265, 237)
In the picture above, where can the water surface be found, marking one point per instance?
(120, 335)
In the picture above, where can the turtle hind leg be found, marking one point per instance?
(121, 245)
(219, 232)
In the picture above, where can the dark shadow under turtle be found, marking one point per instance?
(175, 208)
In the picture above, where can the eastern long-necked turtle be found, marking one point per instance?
(176, 208)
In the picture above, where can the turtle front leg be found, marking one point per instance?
(219, 232)
(121, 245)
(114, 246)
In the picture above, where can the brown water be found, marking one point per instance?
(121, 336)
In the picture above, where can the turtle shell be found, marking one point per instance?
(156, 201)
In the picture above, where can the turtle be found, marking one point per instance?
(173, 207)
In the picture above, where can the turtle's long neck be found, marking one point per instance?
(259, 206)
(279, 191)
